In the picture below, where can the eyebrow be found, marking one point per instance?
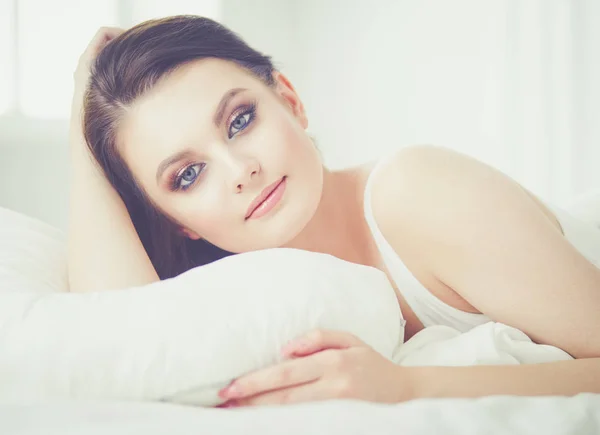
(217, 120)
(220, 112)
(169, 161)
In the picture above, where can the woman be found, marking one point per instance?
(202, 143)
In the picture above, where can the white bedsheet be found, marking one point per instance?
(492, 415)
(493, 343)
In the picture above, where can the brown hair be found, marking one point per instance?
(126, 68)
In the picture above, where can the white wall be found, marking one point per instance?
(587, 91)
(34, 180)
(34, 168)
(392, 73)
(269, 26)
(509, 82)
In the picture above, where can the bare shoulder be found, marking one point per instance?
(482, 236)
(422, 186)
(436, 207)
(416, 181)
(417, 167)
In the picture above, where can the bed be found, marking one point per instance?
(92, 413)
(492, 415)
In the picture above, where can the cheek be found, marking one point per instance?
(204, 212)
(290, 149)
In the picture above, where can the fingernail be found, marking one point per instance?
(297, 345)
(232, 391)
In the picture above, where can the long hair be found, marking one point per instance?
(125, 69)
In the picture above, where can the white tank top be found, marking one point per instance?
(427, 307)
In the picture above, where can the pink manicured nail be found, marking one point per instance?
(296, 345)
(231, 392)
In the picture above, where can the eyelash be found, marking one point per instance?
(244, 110)
(177, 177)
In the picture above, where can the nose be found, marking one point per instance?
(245, 170)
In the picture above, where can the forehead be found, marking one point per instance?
(179, 109)
(200, 81)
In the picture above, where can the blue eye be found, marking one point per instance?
(187, 176)
(242, 121)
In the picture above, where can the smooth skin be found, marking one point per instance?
(472, 236)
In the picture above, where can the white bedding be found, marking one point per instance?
(492, 415)
(492, 343)
(487, 344)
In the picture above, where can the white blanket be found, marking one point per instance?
(490, 343)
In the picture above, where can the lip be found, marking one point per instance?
(268, 198)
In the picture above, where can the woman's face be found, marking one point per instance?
(209, 139)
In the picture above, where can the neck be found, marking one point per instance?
(338, 227)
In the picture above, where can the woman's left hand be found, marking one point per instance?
(322, 365)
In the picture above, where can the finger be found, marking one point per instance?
(308, 392)
(286, 374)
(319, 340)
(99, 40)
(105, 34)
(112, 32)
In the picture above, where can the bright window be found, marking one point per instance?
(7, 55)
(51, 36)
(41, 40)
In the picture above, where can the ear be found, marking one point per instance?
(189, 234)
(287, 92)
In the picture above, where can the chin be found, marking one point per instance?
(286, 225)
(294, 220)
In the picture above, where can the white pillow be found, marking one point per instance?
(32, 254)
(181, 339)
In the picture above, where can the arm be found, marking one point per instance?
(486, 238)
(104, 250)
(324, 365)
